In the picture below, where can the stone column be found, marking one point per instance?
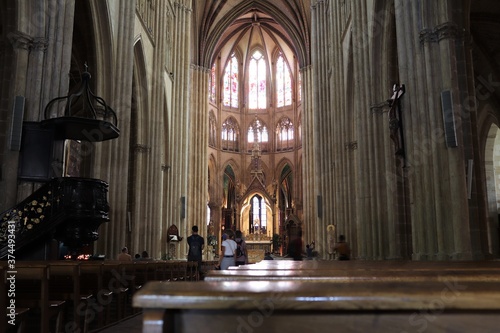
(111, 156)
(21, 44)
(198, 154)
(322, 145)
(427, 52)
(157, 224)
(342, 133)
(178, 134)
(45, 65)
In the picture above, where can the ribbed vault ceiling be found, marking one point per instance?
(224, 26)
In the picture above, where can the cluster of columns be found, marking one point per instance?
(389, 207)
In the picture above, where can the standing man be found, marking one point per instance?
(196, 244)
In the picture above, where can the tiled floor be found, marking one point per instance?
(131, 325)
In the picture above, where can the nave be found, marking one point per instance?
(270, 295)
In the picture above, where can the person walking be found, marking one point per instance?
(228, 251)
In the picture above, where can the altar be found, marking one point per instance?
(257, 246)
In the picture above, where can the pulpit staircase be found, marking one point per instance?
(67, 209)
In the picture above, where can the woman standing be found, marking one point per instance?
(228, 251)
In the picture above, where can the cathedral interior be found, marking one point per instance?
(300, 123)
(125, 123)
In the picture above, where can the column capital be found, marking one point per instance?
(447, 30)
(182, 6)
(141, 148)
(20, 40)
(40, 44)
(201, 68)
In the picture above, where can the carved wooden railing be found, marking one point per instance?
(67, 209)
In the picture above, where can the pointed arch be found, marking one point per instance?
(229, 197)
(285, 134)
(212, 182)
(212, 83)
(258, 134)
(212, 129)
(230, 134)
(257, 74)
(491, 170)
(102, 41)
(231, 82)
(139, 120)
(283, 81)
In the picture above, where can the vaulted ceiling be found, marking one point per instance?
(225, 25)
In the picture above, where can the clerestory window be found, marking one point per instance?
(283, 83)
(231, 84)
(257, 85)
(230, 135)
(284, 134)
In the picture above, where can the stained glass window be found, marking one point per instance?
(285, 134)
(231, 83)
(299, 88)
(212, 85)
(230, 134)
(212, 129)
(257, 98)
(257, 132)
(283, 83)
(258, 217)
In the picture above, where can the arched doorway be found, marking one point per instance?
(492, 171)
(257, 216)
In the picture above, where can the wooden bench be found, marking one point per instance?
(21, 315)
(394, 265)
(376, 271)
(393, 297)
(32, 291)
(65, 283)
(92, 281)
(299, 306)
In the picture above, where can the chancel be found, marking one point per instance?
(123, 124)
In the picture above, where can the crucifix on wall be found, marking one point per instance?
(395, 118)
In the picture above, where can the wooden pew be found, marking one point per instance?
(32, 291)
(21, 320)
(354, 296)
(98, 312)
(110, 282)
(145, 271)
(116, 281)
(65, 284)
(394, 265)
(376, 271)
(301, 306)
